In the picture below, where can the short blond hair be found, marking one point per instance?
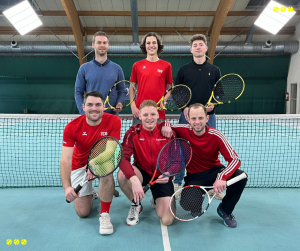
(148, 103)
(195, 106)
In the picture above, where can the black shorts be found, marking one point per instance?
(158, 190)
(208, 177)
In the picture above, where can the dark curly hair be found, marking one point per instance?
(198, 37)
(159, 42)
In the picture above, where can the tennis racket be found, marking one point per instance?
(227, 89)
(111, 99)
(104, 158)
(193, 201)
(175, 98)
(172, 159)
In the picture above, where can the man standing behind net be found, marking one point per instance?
(152, 75)
(79, 137)
(201, 77)
(100, 75)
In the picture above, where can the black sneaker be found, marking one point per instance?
(229, 220)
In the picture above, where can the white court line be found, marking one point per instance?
(165, 236)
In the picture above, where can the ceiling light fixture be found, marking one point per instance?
(23, 17)
(274, 17)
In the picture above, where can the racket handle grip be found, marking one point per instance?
(146, 188)
(76, 190)
(236, 179)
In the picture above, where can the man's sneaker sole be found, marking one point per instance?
(106, 231)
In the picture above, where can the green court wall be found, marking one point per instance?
(45, 85)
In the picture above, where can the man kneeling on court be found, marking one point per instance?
(79, 137)
(205, 167)
(144, 141)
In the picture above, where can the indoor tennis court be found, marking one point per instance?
(37, 78)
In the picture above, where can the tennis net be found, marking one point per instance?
(268, 146)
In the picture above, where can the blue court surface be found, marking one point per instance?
(268, 219)
(33, 206)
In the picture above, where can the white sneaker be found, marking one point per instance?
(95, 194)
(105, 225)
(219, 196)
(176, 188)
(133, 214)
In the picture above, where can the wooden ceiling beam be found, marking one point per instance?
(81, 28)
(76, 26)
(210, 27)
(221, 14)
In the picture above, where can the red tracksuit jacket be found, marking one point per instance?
(144, 146)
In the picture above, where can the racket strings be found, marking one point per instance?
(174, 157)
(192, 202)
(180, 96)
(228, 89)
(105, 157)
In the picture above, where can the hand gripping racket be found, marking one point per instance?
(190, 202)
(175, 98)
(227, 89)
(172, 159)
(112, 95)
(104, 158)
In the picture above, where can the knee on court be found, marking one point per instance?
(83, 206)
(166, 221)
(165, 218)
(83, 213)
